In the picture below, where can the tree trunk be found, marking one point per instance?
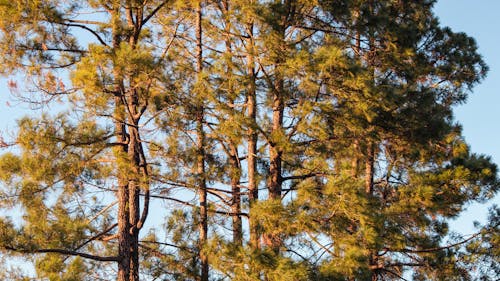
(200, 159)
(130, 178)
(236, 197)
(275, 159)
(235, 169)
(253, 192)
(202, 193)
(134, 193)
(275, 151)
(369, 168)
(124, 239)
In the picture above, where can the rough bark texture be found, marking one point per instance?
(236, 198)
(275, 160)
(234, 162)
(275, 151)
(132, 176)
(200, 159)
(202, 193)
(134, 192)
(124, 238)
(369, 168)
(253, 192)
(124, 241)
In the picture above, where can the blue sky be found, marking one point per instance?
(480, 116)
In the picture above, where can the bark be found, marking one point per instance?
(275, 159)
(370, 159)
(236, 197)
(134, 192)
(253, 192)
(134, 176)
(355, 159)
(235, 169)
(200, 159)
(275, 151)
(369, 168)
(202, 193)
(124, 239)
(123, 211)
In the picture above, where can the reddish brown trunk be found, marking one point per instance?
(355, 160)
(253, 192)
(131, 177)
(369, 169)
(200, 169)
(275, 156)
(235, 170)
(123, 204)
(236, 198)
(275, 152)
(123, 234)
(134, 192)
(202, 193)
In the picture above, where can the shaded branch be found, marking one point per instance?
(99, 38)
(436, 249)
(156, 10)
(64, 252)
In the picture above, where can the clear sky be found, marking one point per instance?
(480, 116)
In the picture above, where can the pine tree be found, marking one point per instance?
(95, 143)
(274, 140)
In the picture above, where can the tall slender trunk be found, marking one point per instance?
(275, 151)
(134, 194)
(134, 177)
(235, 170)
(369, 167)
(275, 159)
(200, 159)
(236, 197)
(134, 174)
(134, 231)
(370, 154)
(275, 180)
(253, 192)
(355, 145)
(124, 239)
(202, 193)
(355, 159)
(123, 208)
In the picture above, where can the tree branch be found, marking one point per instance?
(436, 249)
(148, 17)
(63, 252)
(99, 38)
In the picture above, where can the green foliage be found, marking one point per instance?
(345, 106)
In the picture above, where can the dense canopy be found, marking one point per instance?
(240, 140)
